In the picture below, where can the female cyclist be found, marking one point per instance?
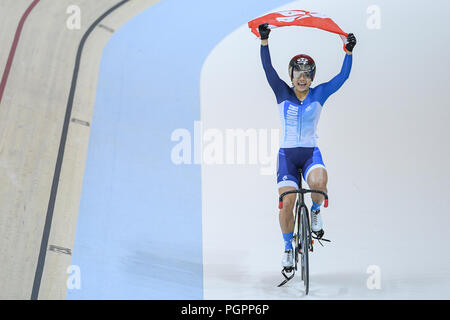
(299, 107)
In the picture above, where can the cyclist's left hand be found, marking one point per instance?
(351, 39)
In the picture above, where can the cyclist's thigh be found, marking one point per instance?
(313, 162)
(287, 173)
(287, 178)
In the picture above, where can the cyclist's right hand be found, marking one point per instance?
(264, 31)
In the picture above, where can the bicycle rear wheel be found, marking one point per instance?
(305, 243)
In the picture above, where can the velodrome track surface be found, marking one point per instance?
(139, 226)
(32, 116)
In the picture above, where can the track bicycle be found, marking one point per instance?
(303, 242)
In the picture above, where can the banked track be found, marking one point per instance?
(43, 140)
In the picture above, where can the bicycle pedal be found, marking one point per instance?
(288, 274)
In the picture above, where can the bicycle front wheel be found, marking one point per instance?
(305, 248)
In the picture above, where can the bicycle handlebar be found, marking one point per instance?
(280, 205)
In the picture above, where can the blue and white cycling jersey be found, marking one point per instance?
(299, 118)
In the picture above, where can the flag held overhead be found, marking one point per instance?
(297, 18)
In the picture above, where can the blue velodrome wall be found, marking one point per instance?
(139, 231)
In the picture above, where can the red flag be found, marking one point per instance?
(297, 18)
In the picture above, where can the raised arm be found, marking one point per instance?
(325, 90)
(278, 86)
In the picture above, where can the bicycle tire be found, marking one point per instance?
(297, 236)
(305, 248)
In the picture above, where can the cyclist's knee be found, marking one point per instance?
(288, 204)
(318, 179)
(318, 185)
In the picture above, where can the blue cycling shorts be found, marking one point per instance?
(291, 159)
